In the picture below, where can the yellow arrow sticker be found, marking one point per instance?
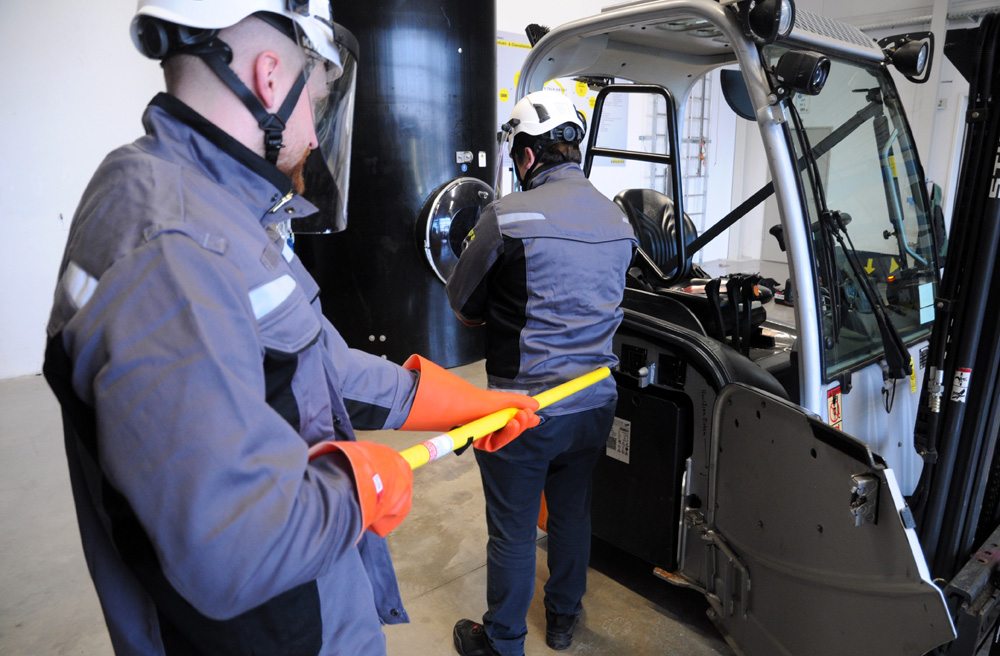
(893, 266)
(870, 266)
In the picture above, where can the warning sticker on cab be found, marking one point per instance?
(834, 408)
(620, 440)
(960, 385)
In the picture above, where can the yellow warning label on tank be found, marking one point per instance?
(581, 89)
(513, 44)
(913, 377)
(504, 95)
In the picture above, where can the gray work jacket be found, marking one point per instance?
(195, 369)
(544, 269)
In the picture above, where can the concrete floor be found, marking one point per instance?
(48, 605)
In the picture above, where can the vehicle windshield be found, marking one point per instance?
(867, 170)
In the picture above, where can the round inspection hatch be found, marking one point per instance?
(446, 218)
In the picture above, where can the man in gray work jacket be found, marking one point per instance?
(224, 505)
(545, 271)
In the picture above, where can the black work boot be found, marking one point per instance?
(559, 629)
(471, 640)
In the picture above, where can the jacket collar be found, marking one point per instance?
(557, 172)
(212, 152)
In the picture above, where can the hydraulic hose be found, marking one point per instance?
(927, 435)
(967, 279)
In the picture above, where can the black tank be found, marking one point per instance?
(425, 115)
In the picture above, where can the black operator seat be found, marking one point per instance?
(652, 216)
(734, 316)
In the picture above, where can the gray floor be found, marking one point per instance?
(48, 606)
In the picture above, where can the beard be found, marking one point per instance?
(295, 173)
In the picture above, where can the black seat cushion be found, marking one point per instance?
(651, 214)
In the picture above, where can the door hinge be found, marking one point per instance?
(728, 578)
(864, 499)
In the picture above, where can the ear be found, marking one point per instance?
(527, 158)
(265, 78)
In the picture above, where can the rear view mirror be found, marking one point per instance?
(734, 90)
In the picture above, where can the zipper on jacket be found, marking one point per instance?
(281, 202)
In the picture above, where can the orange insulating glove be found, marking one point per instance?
(444, 401)
(383, 479)
(519, 423)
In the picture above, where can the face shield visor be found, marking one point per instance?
(504, 138)
(331, 87)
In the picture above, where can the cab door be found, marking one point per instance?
(812, 549)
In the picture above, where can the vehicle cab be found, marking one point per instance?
(763, 443)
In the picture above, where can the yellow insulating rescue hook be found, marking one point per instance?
(420, 454)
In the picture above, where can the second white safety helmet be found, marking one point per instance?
(549, 116)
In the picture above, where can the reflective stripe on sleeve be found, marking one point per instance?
(516, 217)
(78, 285)
(265, 298)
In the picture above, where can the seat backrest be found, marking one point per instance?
(651, 214)
(644, 210)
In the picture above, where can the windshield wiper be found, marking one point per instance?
(896, 356)
(832, 224)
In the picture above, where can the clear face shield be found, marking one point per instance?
(331, 87)
(504, 144)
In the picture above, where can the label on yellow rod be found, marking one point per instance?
(427, 451)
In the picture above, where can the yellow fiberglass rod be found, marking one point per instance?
(445, 443)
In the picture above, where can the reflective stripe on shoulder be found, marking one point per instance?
(265, 298)
(78, 285)
(516, 217)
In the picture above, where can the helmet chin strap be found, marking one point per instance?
(217, 55)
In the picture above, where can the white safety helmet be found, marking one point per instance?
(162, 28)
(548, 115)
(313, 17)
(548, 118)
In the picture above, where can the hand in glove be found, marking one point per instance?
(382, 478)
(519, 423)
(443, 401)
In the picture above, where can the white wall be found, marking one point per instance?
(73, 89)
(515, 15)
(76, 91)
(72, 94)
